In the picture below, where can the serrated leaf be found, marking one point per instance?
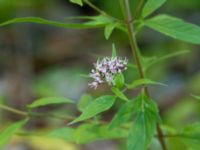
(114, 51)
(7, 133)
(49, 101)
(145, 81)
(97, 106)
(109, 29)
(79, 2)
(84, 101)
(142, 131)
(144, 125)
(151, 6)
(119, 94)
(38, 20)
(175, 28)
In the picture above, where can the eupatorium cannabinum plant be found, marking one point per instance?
(137, 120)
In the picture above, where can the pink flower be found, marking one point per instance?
(106, 69)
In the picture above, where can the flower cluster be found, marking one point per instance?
(106, 69)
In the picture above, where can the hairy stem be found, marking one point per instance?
(136, 55)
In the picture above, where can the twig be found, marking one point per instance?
(101, 11)
(13, 110)
(34, 114)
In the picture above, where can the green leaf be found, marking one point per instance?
(119, 80)
(154, 60)
(64, 133)
(192, 131)
(97, 106)
(151, 6)
(49, 101)
(86, 133)
(79, 2)
(114, 52)
(84, 101)
(196, 97)
(83, 134)
(38, 20)
(124, 114)
(142, 131)
(99, 20)
(175, 28)
(103, 20)
(7, 133)
(95, 22)
(140, 82)
(119, 94)
(109, 29)
(190, 136)
(144, 125)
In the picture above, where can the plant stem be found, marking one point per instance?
(101, 11)
(33, 114)
(13, 110)
(133, 42)
(161, 137)
(136, 55)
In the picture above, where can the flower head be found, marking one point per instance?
(106, 69)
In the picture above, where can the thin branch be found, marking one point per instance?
(42, 115)
(101, 11)
(161, 137)
(34, 114)
(13, 110)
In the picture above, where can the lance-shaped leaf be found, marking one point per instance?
(63, 133)
(190, 136)
(175, 28)
(79, 2)
(109, 29)
(49, 101)
(151, 6)
(86, 133)
(95, 107)
(144, 125)
(196, 97)
(38, 20)
(84, 101)
(7, 133)
(145, 81)
(124, 114)
(119, 94)
(149, 62)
